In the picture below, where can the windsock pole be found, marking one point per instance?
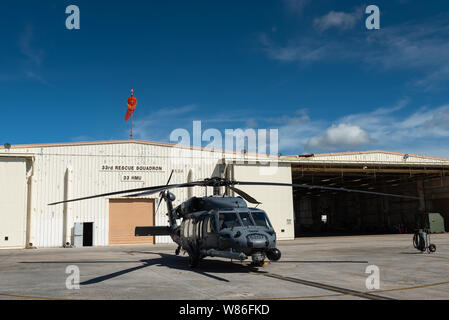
(132, 92)
(131, 127)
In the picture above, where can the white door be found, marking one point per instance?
(13, 195)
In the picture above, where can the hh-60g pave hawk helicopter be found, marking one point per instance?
(219, 225)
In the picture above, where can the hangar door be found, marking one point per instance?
(13, 196)
(125, 215)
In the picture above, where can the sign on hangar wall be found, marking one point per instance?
(134, 170)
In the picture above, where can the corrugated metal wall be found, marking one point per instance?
(50, 167)
(276, 201)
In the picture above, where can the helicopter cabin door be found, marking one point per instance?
(125, 215)
(209, 233)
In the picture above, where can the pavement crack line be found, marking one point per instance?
(344, 294)
(341, 291)
(31, 297)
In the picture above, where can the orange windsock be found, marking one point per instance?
(132, 103)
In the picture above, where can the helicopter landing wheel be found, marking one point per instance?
(257, 264)
(274, 254)
(178, 249)
(258, 259)
(432, 248)
(194, 260)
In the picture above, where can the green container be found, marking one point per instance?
(434, 222)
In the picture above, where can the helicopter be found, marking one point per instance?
(218, 225)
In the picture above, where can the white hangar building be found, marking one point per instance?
(31, 176)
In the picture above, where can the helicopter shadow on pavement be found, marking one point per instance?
(206, 267)
(167, 260)
(179, 263)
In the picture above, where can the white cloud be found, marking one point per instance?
(423, 131)
(337, 20)
(33, 55)
(296, 6)
(154, 126)
(251, 123)
(341, 136)
(31, 59)
(427, 123)
(175, 111)
(397, 128)
(300, 117)
(303, 50)
(36, 76)
(420, 47)
(296, 130)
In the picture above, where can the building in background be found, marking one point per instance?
(31, 176)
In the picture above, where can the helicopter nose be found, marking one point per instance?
(257, 241)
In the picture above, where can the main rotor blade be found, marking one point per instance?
(244, 195)
(159, 203)
(163, 188)
(160, 198)
(221, 182)
(157, 188)
(311, 187)
(169, 178)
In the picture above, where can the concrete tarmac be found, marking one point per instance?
(310, 268)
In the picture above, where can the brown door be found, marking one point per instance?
(125, 215)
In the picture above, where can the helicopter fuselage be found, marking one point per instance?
(224, 233)
(224, 227)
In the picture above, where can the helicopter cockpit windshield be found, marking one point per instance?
(246, 220)
(228, 220)
(261, 219)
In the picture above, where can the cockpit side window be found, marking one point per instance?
(261, 219)
(228, 220)
(246, 219)
(213, 223)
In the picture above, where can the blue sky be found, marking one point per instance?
(308, 68)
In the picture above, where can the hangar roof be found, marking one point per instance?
(86, 143)
(25, 148)
(373, 156)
